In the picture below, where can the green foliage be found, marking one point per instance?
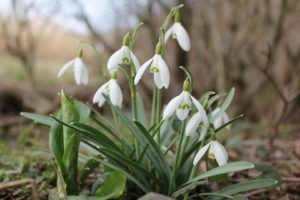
(159, 158)
(113, 187)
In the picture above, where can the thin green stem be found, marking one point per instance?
(158, 113)
(194, 170)
(154, 93)
(177, 158)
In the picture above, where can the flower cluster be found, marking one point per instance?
(185, 106)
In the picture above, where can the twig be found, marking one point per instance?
(35, 194)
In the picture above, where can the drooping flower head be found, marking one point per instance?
(178, 32)
(216, 151)
(220, 120)
(158, 67)
(182, 104)
(110, 89)
(123, 57)
(80, 70)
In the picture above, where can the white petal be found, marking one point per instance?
(81, 74)
(98, 97)
(141, 71)
(135, 61)
(220, 153)
(182, 113)
(225, 120)
(182, 37)
(193, 124)
(65, 67)
(203, 117)
(115, 92)
(186, 98)
(168, 34)
(157, 80)
(164, 72)
(84, 75)
(218, 122)
(200, 154)
(172, 106)
(115, 59)
(215, 111)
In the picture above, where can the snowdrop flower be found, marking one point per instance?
(222, 119)
(216, 152)
(177, 31)
(194, 123)
(182, 104)
(123, 56)
(158, 68)
(112, 90)
(80, 70)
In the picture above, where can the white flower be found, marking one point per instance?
(194, 122)
(112, 90)
(216, 151)
(182, 104)
(178, 32)
(80, 71)
(222, 119)
(122, 56)
(160, 71)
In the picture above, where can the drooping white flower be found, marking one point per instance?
(112, 90)
(178, 32)
(80, 71)
(122, 56)
(216, 151)
(220, 120)
(160, 71)
(182, 105)
(194, 123)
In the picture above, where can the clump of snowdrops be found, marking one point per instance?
(143, 153)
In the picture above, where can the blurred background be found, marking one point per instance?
(253, 46)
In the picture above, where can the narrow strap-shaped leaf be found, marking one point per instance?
(245, 186)
(42, 119)
(230, 167)
(94, 133)
(129, 176)
(225, 105)
(229, 122)
(101, 139)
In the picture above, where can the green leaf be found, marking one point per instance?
(129, 176)
(205, 96)
(42, 119)
(95, 135)
(186, 189)
(113, 187)
(214, 99)
(89, 166)
(268, 171)
(246, 186)
(56, 144)
(83, 110)
(230, 167)
(141, 114)
(229, 122)
(225, 105)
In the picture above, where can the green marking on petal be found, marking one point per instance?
(212, 156)
(174, 35)
(185, 106)
(125, 60)
(154, 69)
